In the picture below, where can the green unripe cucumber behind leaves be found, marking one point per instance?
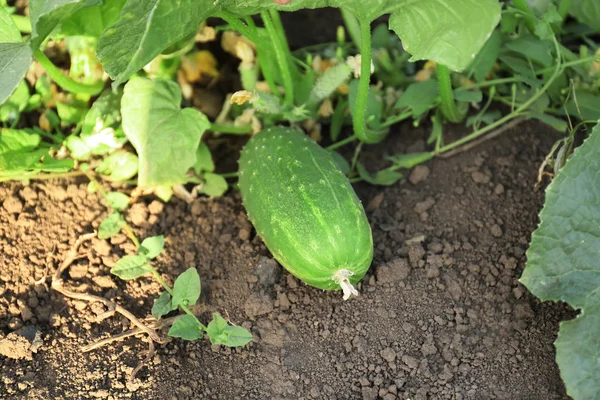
(305, 210)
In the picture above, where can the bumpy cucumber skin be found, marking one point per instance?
(304, 208)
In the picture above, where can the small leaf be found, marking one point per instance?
(131, 267)
(219, 332)
(151, 247)
(214, 185)
(238, 336)
(187, 328)
(164, 135)
(117, 200)
(204, 160)
(186, 290)
(119, 166)
(420, 97)
(110, 226)
(216, 327)
(409, 160)
(468, 96)
(385, 177)
(162, 305)
(486, 58)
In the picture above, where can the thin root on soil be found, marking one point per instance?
(141, 327)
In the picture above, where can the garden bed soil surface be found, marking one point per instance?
(440, 315)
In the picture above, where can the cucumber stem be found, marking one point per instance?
(341, 278)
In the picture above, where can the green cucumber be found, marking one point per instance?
(305, 210)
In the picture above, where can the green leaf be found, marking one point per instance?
(532, 48)
(583, 105)
(92, 21)
(151, 247)
(117, 200)
(131, 266)
(119, 166)
(468, 96)
(146, 28)
(15, 56)
(110, 226)
(485, 118)
(104, 113)
(187, 328)
(162, 305)
(71, 112)
(16, 103)
(18, 140)
(420, 97)
(587, 12)
(562, 264)
(164, 136)
(557, 123)
(486, 58)
(186, 290)
(219, 332)
(450, 33)
(49, 164)
(15, 59)
(385, 177)
(204, 160)
(19, 161)
(48, 14)
(8, 30)
(409, 160)
(214, 185)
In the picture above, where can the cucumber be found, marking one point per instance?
(305, 210)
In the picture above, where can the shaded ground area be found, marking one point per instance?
(440, 316)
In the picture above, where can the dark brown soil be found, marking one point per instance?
(441, 314)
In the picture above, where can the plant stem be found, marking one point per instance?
(126, 227)
(563, 8)
(162, 281)
(448, 105)
(282, 60)
(64, 81)
(529, 17)
(353, 27)
(342, 142)
(395, 119)
(231, 129)
(360, 108)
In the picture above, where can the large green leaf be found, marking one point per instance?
(15, 56)
(8, 30)
(144, 29)
(587, 11)
(48, 14)
(165, 136)
(92, 21)
(449, 32)
(562, 265)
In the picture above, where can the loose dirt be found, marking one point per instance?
(440, 315)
